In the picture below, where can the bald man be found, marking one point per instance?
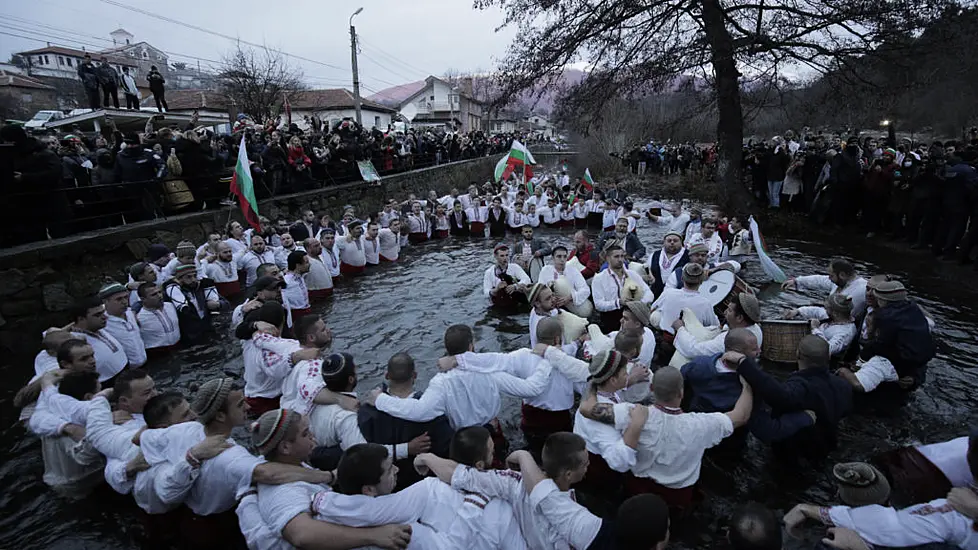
(812, 388)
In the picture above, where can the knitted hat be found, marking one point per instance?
(271, 428)
(183, 269)
(693, 273)
(641, 311)
(698, 248)
(675, 233)
(839, 302)
(136, 269)
(335, 363)
(111, 289)
(531, 295)
(157, 251)
(500, 246)
(891, 291)
(875, 281)
(750, 305)
(186, 246)
(354, 223)
(211, 397)
(604, 365)
(860, 484)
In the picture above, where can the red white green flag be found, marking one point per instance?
(243, 187)
(587, 181)
(519, 158)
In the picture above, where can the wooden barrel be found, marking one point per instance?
(781, 339)
(176, 194)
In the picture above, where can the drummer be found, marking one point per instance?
(668, 307)
(505, 283)
(529, 252)
(842, 278)
(550, 274)
(710, 238)
(698, 255)
(743, 312)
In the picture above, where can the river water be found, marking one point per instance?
(408, 305)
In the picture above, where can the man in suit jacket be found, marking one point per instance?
(531, 250)
(306, 228)
(634, 249)
(672, 257)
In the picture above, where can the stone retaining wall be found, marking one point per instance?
(40, 281)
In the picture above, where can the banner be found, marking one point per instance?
(770, 268)
(367, 170)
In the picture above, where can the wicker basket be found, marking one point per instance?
(781, 339)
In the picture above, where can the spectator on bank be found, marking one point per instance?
(156, 82)
(108, 79)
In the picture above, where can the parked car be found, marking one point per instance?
(41, 118)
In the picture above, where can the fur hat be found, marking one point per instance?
(271, 428)
(604, 365)
(750, 305)
(157, 251)
(211, 398)
(641, 311)
(839, 302)
(860, 484)
(693, 274)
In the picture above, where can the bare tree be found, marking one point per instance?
(639, 47)
(259, 81)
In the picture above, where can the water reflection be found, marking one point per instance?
(407, 307)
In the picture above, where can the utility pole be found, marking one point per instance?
(356, 74)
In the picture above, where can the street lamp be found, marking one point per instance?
(356, 75)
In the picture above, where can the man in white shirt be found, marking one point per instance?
(390, 241)
(710, 238)
(371, 244)
(697, 254)
(672, 442)
(121, 322)
(388, 214)
(674, 219)
(159, 325)
(319, 281)
(505, 283)
(607, 287)
(925, 472)
(351, 250)
(742, 312)
(223, 270)
(419, 225)
(669, 306)
(842, 278)
(282, 252)
(295, 293)
(551, 272)
(255, 256)
(330, 254)
(89, 325)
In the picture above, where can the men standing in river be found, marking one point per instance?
(842, 278)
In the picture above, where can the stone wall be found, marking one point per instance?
(39, 282)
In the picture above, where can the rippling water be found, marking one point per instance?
(408, 305)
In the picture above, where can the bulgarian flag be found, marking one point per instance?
(519, 158)
(243, 187)
(587, 181)
(770, 268)
(501, 167)
(571, 198)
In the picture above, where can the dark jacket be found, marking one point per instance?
(815, 389)
(777, 164)
(458, 226)
(107, 76)
(660, 278)
(902, 335)
(88, 73)
(634, 249)
(136, 164)
(300, 232)
(156, 81)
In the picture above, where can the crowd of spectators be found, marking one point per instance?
(666, 158)
(62, 184)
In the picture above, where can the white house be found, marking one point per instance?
(439, 103)
(61, 62)
(333, 105)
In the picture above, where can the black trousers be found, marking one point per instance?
(94, 102)
(132, 102)
(110, 92)
(160, 97)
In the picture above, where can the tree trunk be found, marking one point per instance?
(730, 124)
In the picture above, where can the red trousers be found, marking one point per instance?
(320, 294)
(680, 501)
(261, 405)
(228, 289)
(351, 270)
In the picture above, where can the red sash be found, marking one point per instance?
(417, 237)
(439, 234)
(260, 405)
(478, 229)
(228, 289)
(609, 228)
(600, 478)
(299, 314)
(347, 269)
(320, 294)
(680, 501)
(544, 422)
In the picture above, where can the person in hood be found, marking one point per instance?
(156, 82)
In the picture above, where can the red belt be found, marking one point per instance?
(546, 422)
(321, 293)
(261, 405)
(477, 228)
(680, 501)
(300, 313)
(418, 237)
(347, 269)
(440, 234)
(229, 288)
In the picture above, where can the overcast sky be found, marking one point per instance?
(402, 41)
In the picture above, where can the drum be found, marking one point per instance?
(536, 264)
(721, 288)
(781, 339)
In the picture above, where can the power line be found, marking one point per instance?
(395, 59)
(382, 66)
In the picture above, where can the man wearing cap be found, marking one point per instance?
(672, 442)
(669, 306)
(551, 272)
(295, 293)
(256, 255)
(842, 278)
(89, 325)
(222, 270)
(390, 241)
(811, 388)
(742, 312)
(351, 250)
(186, 254)
(504, 283)
(194, 300)
(900, 345)
(709, 237)
(418, 224)
(672, 257)
(697, 254)
(266, 288)
(159, 323)
(210, 487)
(541, 299)
(121, 323)
(634, 249)
(606, 288)
(158, 256)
